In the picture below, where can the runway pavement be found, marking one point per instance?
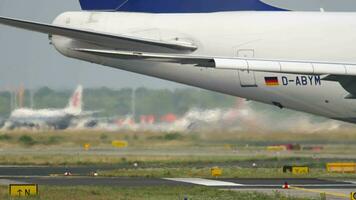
(220, 183)
(44, 175)
(50, 170)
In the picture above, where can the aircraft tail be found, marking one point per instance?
(75, 102)
(177, 6)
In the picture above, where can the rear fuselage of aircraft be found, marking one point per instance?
(299, 36)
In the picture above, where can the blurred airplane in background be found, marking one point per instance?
(299, 60)
(47, 118)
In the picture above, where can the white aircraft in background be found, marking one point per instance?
(299, 60)
(47, 118)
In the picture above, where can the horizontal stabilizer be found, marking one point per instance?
(99, 38)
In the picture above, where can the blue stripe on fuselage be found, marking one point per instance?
(177, 6)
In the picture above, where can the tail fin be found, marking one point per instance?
(101, 4)
(75, 102)
(177, 6)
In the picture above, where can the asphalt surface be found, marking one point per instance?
(93, 181)
(139, 182)
(81, 177)
(48, 171)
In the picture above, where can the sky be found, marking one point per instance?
(27, 59)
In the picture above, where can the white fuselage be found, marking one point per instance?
(25, 117)
(54, 118)
(329, 37)
(42, 113)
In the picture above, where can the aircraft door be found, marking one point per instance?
(247, 78)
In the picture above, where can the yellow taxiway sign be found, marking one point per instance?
(23, 190)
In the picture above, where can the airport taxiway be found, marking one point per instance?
(139, 182)
(54, 176)
(46, 175)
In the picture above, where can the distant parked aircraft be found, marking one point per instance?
(47, 118)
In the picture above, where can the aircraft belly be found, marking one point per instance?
(57, 122)
(303, 93)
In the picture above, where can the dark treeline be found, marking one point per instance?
(119, 102)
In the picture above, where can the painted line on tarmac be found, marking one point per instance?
(320, 192)
(205, 182)
(216, 183)
(301, 185)
(24, 177)
(8, 182)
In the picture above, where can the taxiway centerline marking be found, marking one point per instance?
(9, 181)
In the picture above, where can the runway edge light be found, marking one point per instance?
(285, 186)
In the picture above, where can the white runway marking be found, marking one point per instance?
(8, 182)
(205, 182)
(352, 182)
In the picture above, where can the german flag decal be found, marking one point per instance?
(271, 81)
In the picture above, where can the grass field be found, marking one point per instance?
(144, 193)
(174, 155)
(342, 138)
(179, 155)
